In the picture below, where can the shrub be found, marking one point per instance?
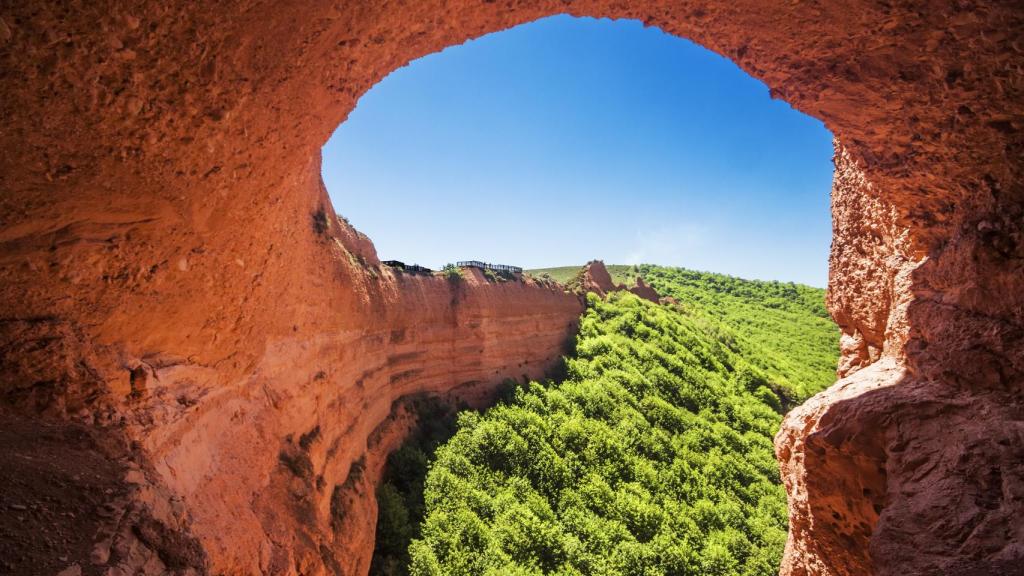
(452, 272)
(320, 222)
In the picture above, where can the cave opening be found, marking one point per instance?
(164, 211)
(564, 139)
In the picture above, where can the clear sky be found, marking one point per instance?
(567, 139)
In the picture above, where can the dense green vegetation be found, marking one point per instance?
(652, 456)
(400, 506)
(451, 272)
(781, 327)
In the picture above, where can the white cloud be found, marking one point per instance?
(669, 245)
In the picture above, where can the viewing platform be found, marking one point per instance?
(489, 266)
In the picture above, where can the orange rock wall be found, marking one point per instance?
(911, 462)
(165, 273)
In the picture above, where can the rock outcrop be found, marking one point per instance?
(643, 290)
(172, 275)
(594, 277)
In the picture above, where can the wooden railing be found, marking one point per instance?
(489, 266)
(462, 264)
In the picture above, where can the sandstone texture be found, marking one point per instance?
(173, 277)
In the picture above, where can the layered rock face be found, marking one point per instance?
(173, 278)
(277, 467)
(319, 415)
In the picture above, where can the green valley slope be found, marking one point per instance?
(652, 456)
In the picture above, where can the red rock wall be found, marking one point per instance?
(161, 276)
(424, 336)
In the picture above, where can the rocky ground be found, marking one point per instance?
(74, 503)
(56, 485)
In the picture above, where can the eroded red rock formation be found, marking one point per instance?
(643, 290)
(594, 277)
(171, 272)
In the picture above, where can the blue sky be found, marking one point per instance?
(567, 139)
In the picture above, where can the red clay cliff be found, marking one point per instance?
(182, 306)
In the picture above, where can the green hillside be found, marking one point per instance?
(653, 455)
(621, 273)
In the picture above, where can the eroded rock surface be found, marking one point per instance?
(645, 291)
(594, 277)
(172, 274)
